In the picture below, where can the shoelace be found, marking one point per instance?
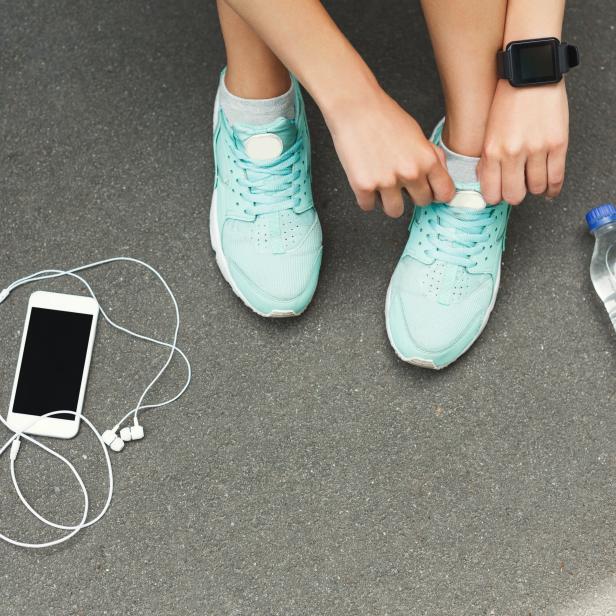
(270, 186)
(459, 235)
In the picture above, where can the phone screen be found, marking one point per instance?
(52, 363)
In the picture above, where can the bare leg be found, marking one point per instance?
(382, 149)
(253, 71)
(466, 35)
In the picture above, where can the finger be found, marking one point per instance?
(490, 178)
(537, 173)
(441, 156)
(420, 191)
(393, 203)
(513, 180)
(440, 182)
(556, 172)
(366, 199)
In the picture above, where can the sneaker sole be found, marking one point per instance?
(223, 266)
(428, 363)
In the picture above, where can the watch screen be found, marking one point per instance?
(535, 63)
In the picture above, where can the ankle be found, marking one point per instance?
(266, 84)
(256, 111)
(465, 138)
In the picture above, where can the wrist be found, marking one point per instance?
(346, 90)
(529, 19)
(505, 88)
(526, 33)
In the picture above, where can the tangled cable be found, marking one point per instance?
(108, 437)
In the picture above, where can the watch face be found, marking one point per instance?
(535, 62)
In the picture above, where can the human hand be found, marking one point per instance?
(383, 150)
(526, 143)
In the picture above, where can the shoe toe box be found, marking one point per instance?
(272, 281)
(283, 284)
(429, 332)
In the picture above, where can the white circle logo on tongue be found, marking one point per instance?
(468, 200)
(264, 147)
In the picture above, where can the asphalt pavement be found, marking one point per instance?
(307, 471)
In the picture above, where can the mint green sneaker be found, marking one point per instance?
(263, 225)
(444, 287)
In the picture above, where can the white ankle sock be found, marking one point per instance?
(462, 169)
(255, 112)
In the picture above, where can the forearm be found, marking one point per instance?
(528, 19)
(308, 42)
(526, 141)
(381, 147)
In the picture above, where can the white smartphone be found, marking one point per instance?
(53, 364)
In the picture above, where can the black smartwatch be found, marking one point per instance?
(536, 62)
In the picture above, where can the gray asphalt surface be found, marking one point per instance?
(307, 471)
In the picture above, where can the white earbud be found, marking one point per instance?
(136, 432)
(111, 439)
(117, 444)
(108, 437)
(129, 433)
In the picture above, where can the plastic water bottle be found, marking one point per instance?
(602, 224)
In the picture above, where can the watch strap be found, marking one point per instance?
(503, 63)
(568, 57)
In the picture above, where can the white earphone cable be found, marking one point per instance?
(14, 441)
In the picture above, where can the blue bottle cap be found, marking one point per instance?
(600, 215)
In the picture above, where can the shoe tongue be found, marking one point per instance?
(468, 199)
(470, 204)
(263, 143)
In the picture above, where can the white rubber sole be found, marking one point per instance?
(428, 363)
(223, 266)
